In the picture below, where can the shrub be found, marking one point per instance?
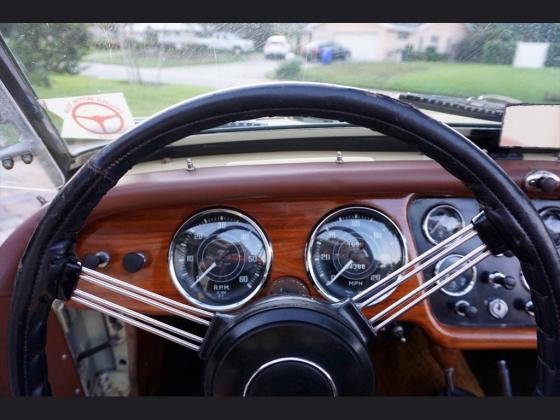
(498, 52)
(290, 69)
(430, 54)
(46, 48)
(553, 56)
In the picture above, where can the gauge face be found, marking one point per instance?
(551, 218)
(219, 259)
(462, 284)
(352, 249)
(441, 222)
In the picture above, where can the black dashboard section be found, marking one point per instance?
(495, 293)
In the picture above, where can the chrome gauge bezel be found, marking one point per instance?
(425, 230)
(469, 286)
(546, 210)
(308, 246)
(221, 308)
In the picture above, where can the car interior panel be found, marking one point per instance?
(281, 238)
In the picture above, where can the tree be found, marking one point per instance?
(503, 36)
(45, 48)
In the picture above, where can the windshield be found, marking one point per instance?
(98, 80)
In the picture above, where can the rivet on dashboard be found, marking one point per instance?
(190, 165)
(339, 158)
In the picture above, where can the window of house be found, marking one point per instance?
(403, 35)
(434, 39)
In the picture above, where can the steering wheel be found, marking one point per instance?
(282, 344)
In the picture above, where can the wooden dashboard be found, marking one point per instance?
(287, 200)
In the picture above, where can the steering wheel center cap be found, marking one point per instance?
(289, 345)
(290, 376)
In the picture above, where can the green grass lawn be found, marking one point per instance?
(167, 58)
(459, 79)
(143, 99)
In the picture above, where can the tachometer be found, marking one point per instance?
(351, 249)
(219, 259)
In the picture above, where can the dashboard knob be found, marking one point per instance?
(498, 308)
(524, 305)
(547, 184)
(98, 260)
(398, 333)
(542, 180)
(530, 308)
(464, 308)
(134, 261)
(498, 278)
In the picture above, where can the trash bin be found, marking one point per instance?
(326, 55)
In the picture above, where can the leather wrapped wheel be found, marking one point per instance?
(49, 267)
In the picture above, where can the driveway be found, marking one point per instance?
(214, 76)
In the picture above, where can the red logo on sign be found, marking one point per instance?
(98, 118)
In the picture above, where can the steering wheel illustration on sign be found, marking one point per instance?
(98, 118)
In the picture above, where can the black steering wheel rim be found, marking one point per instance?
(41, 277)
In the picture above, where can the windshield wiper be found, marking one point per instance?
(485, 107)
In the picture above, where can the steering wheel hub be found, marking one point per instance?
(278, 347)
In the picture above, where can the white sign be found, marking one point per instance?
(103, 117)
(530, 54)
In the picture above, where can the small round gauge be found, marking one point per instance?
(352, 249)
(551, 218)
(219, 259)
(462, 284)
(441, 222)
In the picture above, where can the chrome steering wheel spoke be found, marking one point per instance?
(137, 319)
(407, 271)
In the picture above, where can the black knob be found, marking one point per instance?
(547, 184)
(507, 282)
(134, 261)
(98, 260)
(524, 305)
(464, 308)
(398, 333)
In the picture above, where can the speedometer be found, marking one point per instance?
(352, 249)
(219, 259)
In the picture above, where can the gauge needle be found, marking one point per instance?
(441, 219)
(342, 270)
(204, 274)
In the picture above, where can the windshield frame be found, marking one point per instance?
(21, 90)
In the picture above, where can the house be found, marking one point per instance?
(386, 41)
(173, 34)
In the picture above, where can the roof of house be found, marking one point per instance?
(163, 27)
(399, 27)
